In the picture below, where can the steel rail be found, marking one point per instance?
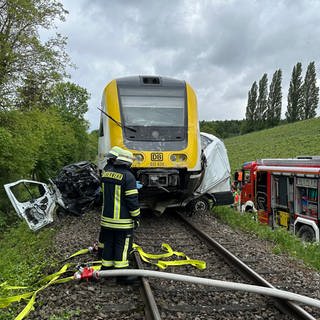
(285, 306)
(152, 311)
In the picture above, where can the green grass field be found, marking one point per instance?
(287, 141)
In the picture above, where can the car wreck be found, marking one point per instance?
(75, 189)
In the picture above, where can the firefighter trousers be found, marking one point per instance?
(117, 245)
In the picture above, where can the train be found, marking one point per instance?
(156, 118)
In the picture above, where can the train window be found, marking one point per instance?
(153, 107)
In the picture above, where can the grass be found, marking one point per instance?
(23, 258)
(283, 241)
(285, 141)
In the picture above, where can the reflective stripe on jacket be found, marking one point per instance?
(120, 198)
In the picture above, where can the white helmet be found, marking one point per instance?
(113, 152)
(124, 157)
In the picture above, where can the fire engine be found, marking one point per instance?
(283, 192)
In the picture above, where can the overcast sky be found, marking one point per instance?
(220, 47)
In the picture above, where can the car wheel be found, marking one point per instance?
(198, 205)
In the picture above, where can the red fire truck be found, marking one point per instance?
(284, 192)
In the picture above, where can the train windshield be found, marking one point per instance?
(154, 107)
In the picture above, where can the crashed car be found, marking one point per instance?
(73, 191)
(79, 184)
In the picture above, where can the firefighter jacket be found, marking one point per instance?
(120, 198)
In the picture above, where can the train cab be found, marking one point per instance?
(156, 118)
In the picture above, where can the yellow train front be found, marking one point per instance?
(156, 118)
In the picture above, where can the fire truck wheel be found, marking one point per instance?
(306, 234)
(198, 205)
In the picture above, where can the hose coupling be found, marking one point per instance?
(84, 273)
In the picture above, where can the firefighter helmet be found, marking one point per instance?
(124, 157)
(113, 152)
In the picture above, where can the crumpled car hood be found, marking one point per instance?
(79, 184)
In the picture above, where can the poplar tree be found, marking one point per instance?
(251, 110)
(262, 101)
(310, 93)
(295, 95)
(275, 99)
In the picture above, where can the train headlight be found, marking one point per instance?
(138, 157)
(178, 157)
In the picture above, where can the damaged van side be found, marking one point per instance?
(33, 201)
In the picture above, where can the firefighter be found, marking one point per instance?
(110, 157)
(236, 200)
(120, 213)
(237, 179)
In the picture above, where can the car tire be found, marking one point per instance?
(198, 205)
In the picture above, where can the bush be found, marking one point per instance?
(35, 145)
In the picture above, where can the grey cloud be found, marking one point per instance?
(219, 47)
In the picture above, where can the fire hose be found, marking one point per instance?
(90, 273)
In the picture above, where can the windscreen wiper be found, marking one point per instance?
(117, 122)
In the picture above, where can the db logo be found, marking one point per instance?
(156, 157)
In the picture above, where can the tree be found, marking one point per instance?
(93, 145)
(208, 127)
(222, 129)
(310, 93)
(274, 100)
(251, 110)
(70, 99)
(34, 93)
(22, 55)
(295, 95)
(262, 101)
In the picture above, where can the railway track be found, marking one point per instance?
(153, 298)
(187, 301)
